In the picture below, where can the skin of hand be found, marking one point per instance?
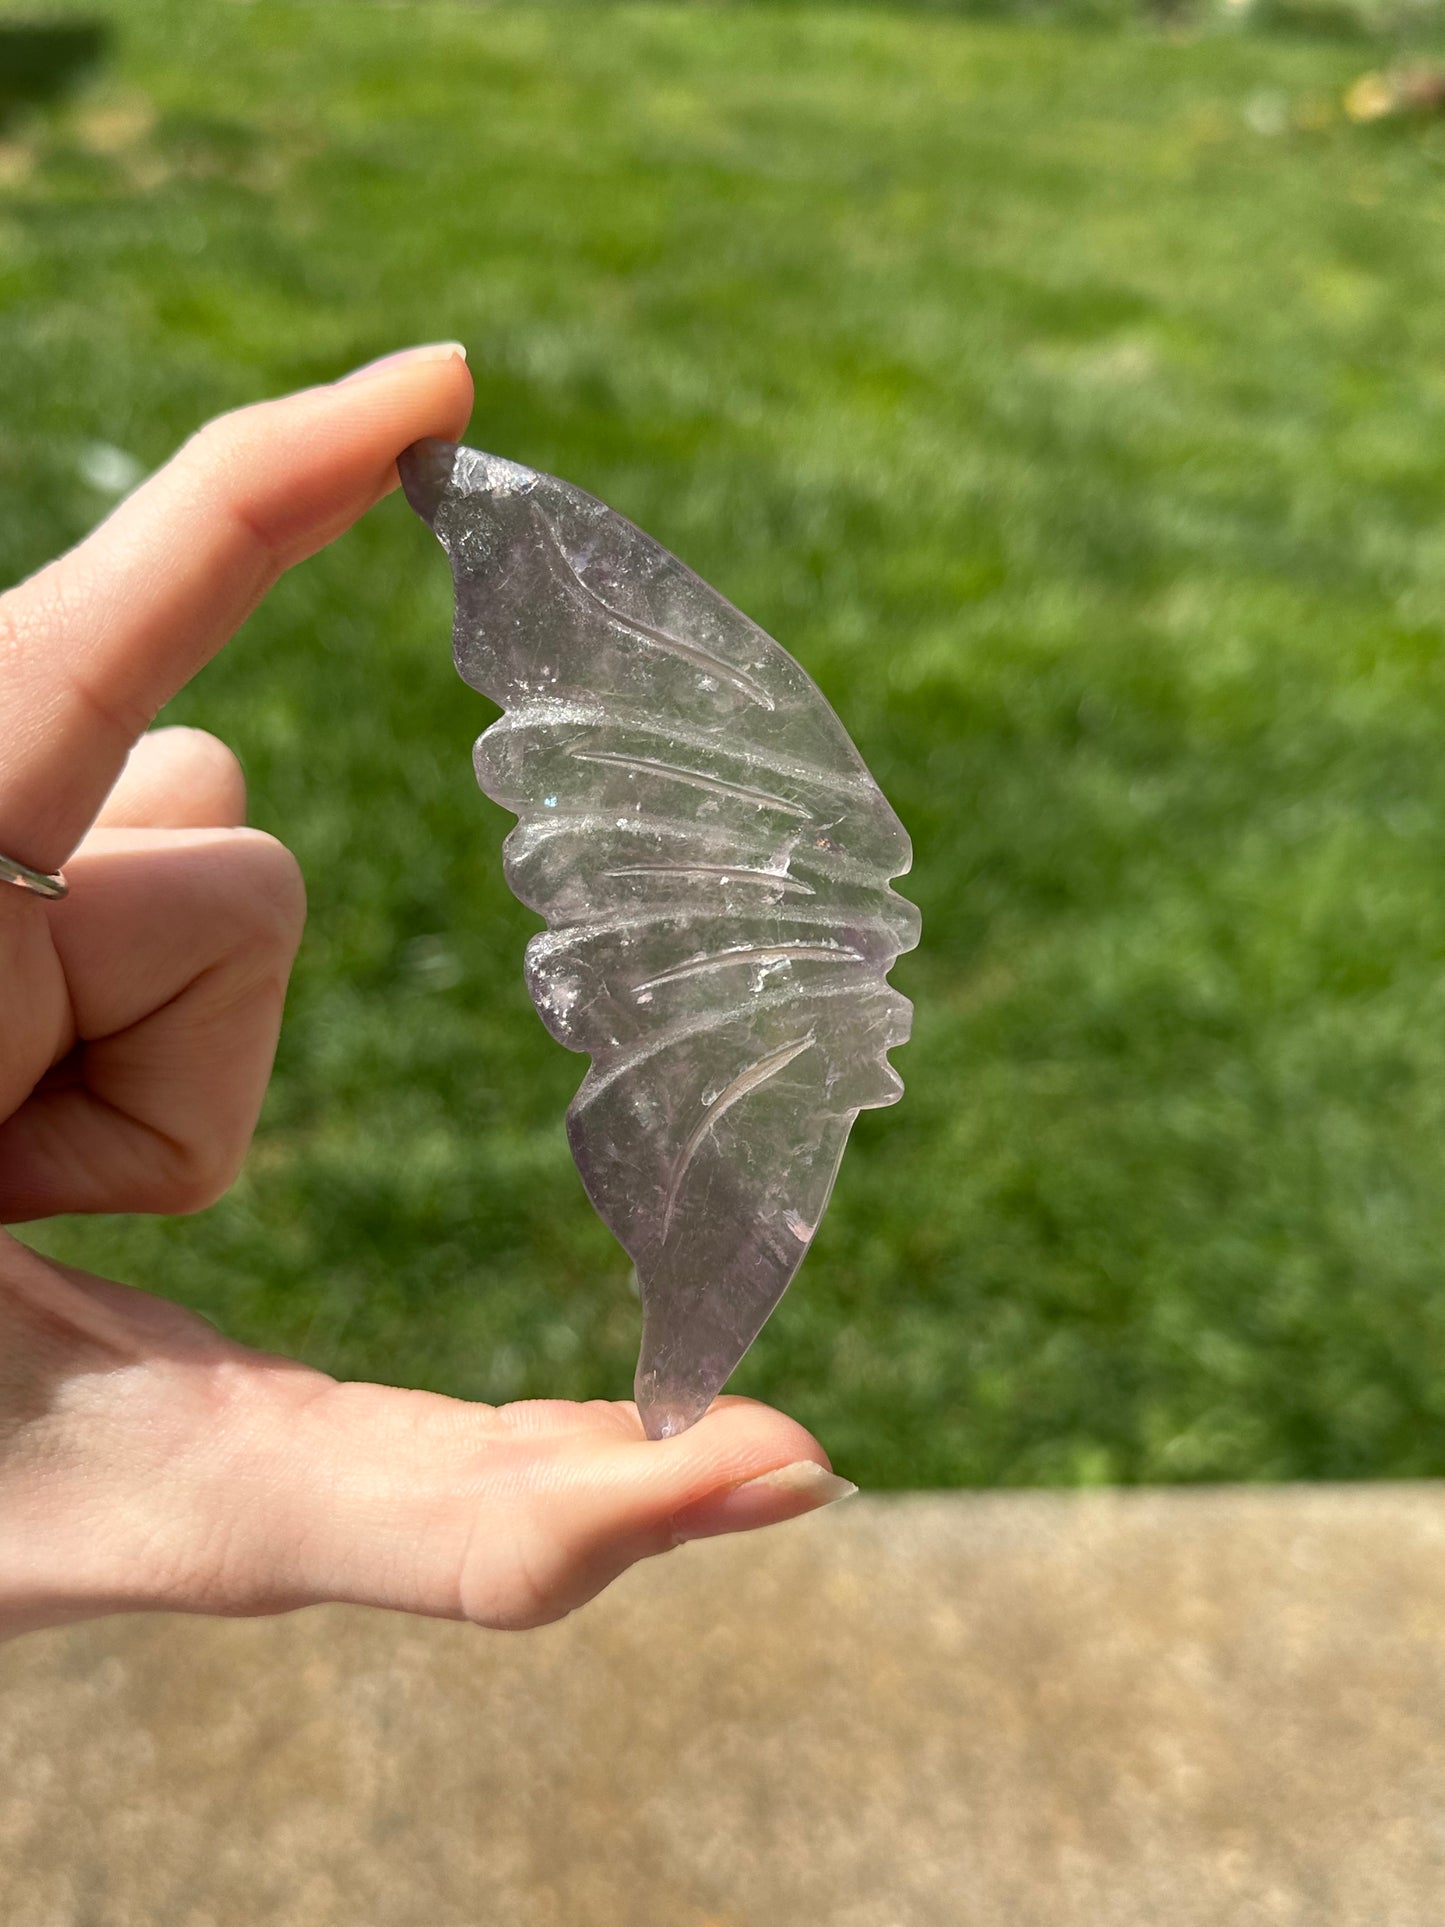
(146, 1462)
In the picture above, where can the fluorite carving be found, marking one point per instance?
(712, 859)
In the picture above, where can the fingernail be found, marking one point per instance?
(786, 1493)
(433, 351)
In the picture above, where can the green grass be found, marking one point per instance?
(1087, 444)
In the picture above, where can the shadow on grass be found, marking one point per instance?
(42, 60)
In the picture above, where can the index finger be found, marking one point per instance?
(93, 645)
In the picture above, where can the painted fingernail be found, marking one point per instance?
(432, 351)
(786, 1493)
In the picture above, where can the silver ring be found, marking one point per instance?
(35, 881)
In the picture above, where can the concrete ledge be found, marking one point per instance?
(1176, 1709)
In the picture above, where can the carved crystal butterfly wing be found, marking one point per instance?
(712, 859)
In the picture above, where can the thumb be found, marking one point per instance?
(509, 1517)
(152, 1465)
(592, 1508)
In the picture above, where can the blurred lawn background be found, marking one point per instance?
(1069, 395)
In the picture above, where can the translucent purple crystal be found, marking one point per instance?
(712, 859)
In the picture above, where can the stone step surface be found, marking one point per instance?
(1138, 1710)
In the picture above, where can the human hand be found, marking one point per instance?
(146, 1462)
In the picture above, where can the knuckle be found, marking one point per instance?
(197, 1189)
(214, 459)
(12, 639)
(525, 1592)
(34, 610)
(191, 1177)
(510, 1574)
(531, 1570)
(41, 613)
(271, 906)
(213, 443)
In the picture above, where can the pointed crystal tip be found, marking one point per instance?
(665, 1416)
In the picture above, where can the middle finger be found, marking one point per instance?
(176, 946)
(177, 779)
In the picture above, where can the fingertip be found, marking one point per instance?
(398, 358)
(770, 1499)
(745, 1428)
(731, 1426)
(300, 469)
(595, 1504)
(427, 391)
(742, 1466)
